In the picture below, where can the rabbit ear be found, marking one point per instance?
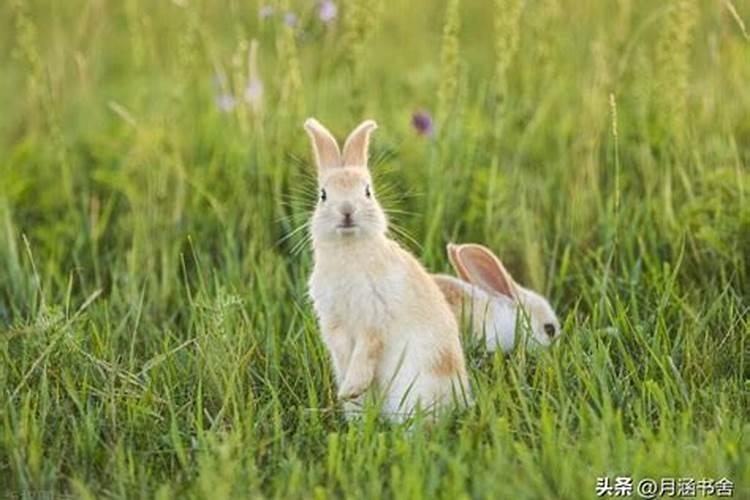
(479, 266)
(357, 145)
(324, 145)
(456, 262)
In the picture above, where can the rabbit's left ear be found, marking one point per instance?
(479, 266)
(357, 145)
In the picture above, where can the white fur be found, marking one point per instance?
(383, 319)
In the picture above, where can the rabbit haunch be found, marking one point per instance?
(384, 320)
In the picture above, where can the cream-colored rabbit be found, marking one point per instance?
(384, 320)
(488, 295)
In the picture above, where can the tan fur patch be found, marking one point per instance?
(447, 364)
(453, 294)
(347, 178)
(376, 347)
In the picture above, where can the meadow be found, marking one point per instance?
(156, 339)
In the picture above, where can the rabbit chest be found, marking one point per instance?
(350, 293)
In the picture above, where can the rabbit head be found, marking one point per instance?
(477, 265)
(346, 208)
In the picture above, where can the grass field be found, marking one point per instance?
(155, 335)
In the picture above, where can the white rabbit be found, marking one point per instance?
(491, 297)
(383, 319)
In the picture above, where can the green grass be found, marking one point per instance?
(155, 335)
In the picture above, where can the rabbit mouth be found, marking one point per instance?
(347, 228)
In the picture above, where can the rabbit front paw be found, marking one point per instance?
(357, 381)
(350, 391)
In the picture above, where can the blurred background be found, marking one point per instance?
(128, 126)
(155, 180)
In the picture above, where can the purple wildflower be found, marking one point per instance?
(290, 19)
(254, 92)
(265, 11)
(422, 122)
(226, 102)
(327, 11)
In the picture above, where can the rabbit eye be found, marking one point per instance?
(367, 191)
(323, 195)
(549, 329)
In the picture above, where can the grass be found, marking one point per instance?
(155, 336)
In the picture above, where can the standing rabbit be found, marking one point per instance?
(495, 302)
(383, 319)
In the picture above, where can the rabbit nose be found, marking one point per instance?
(347, 210)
